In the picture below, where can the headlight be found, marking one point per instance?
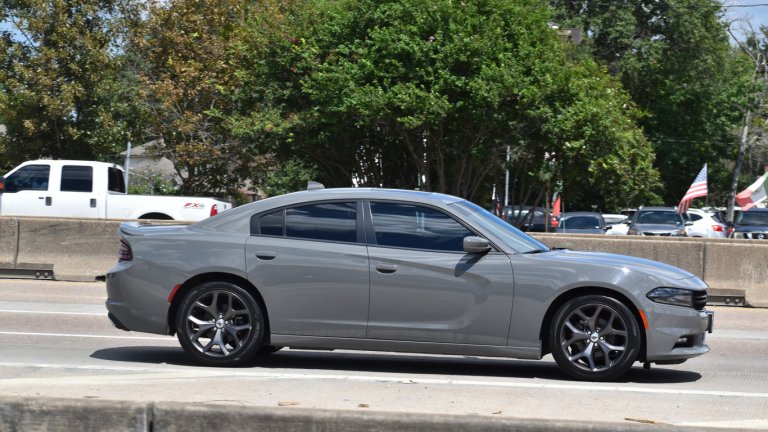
(681, 232)
(672, 296)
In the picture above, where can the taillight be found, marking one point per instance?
(717, 228)
(125, 253)
(214, 210)
(730, 231)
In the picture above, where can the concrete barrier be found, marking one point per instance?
(81, 250)
(78, 415)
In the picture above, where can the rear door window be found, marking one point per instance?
(335, 221)
(76, 178)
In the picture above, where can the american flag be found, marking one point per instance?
(698, 189)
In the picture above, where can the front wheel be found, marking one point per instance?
(220, 324)
(594, 338)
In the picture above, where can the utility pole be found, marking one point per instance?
(761, 75)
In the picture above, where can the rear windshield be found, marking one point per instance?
(753, 218)
(659, 217)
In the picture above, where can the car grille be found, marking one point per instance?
(666, 234)
(699, 299)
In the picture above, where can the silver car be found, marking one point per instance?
(396, 270)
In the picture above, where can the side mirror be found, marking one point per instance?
(608, 227)
(689, 223)
(473, 244)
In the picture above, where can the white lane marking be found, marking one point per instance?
(50, 312)
(206, 372)
(86, 336)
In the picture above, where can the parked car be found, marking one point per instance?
(86, 189)
(397, 270)
(581, 223)
(657, 221)
(522, 218)
(705, 224)
(751, 224)
(618, 224)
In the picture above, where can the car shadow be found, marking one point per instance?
(455, 366)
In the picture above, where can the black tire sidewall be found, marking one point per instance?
(633, 335)
(250, 346)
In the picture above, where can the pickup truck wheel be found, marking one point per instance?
(594, 338)
(220, 324)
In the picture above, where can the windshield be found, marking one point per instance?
(753, 218)
(580, 222)
(512, 237)
(659, 218)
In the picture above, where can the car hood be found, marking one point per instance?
(651, 267)
(656, 227)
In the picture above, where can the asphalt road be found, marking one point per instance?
(56, 341)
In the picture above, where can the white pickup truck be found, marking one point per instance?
(84, 189)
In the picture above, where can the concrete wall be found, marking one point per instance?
(80, 250)
(79, 415)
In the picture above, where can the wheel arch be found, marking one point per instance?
(156, 216)
(584, 291)
(216, 277)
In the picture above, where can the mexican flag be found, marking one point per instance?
(754, 194)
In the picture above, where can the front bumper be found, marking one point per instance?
(677, 333)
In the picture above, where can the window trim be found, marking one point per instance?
(359, 221)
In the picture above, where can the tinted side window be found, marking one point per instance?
(272, 224)
(328, 221)
(416, 227)
(30, 177)
(76, 178)
(116, 180)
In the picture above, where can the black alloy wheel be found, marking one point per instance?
(594, 338)
(220, 324)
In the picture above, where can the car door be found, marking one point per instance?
(27, 192)
(77, 196)
(425, 288)
(310, 264)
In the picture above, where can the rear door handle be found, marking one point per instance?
(266, 255)
(386, 268)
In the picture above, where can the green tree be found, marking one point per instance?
(430, 94)
(59, 65)
(179, 58)
(675, 60)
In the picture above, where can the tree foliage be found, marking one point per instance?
(675, 60)
(60, 94)
(430, 94)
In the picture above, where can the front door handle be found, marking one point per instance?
(266, 255)
(386, 268)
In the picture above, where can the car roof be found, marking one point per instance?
(330, 194)
(657, 209)
(595, 214)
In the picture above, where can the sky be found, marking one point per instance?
(753, 12)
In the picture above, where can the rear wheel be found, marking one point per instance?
(220, 324)
(594, 338)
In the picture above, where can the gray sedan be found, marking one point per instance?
(395, 270)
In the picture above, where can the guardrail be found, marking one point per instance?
(81, 250)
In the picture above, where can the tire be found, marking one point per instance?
(594, 338)
(268, 349)
(220, 324)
